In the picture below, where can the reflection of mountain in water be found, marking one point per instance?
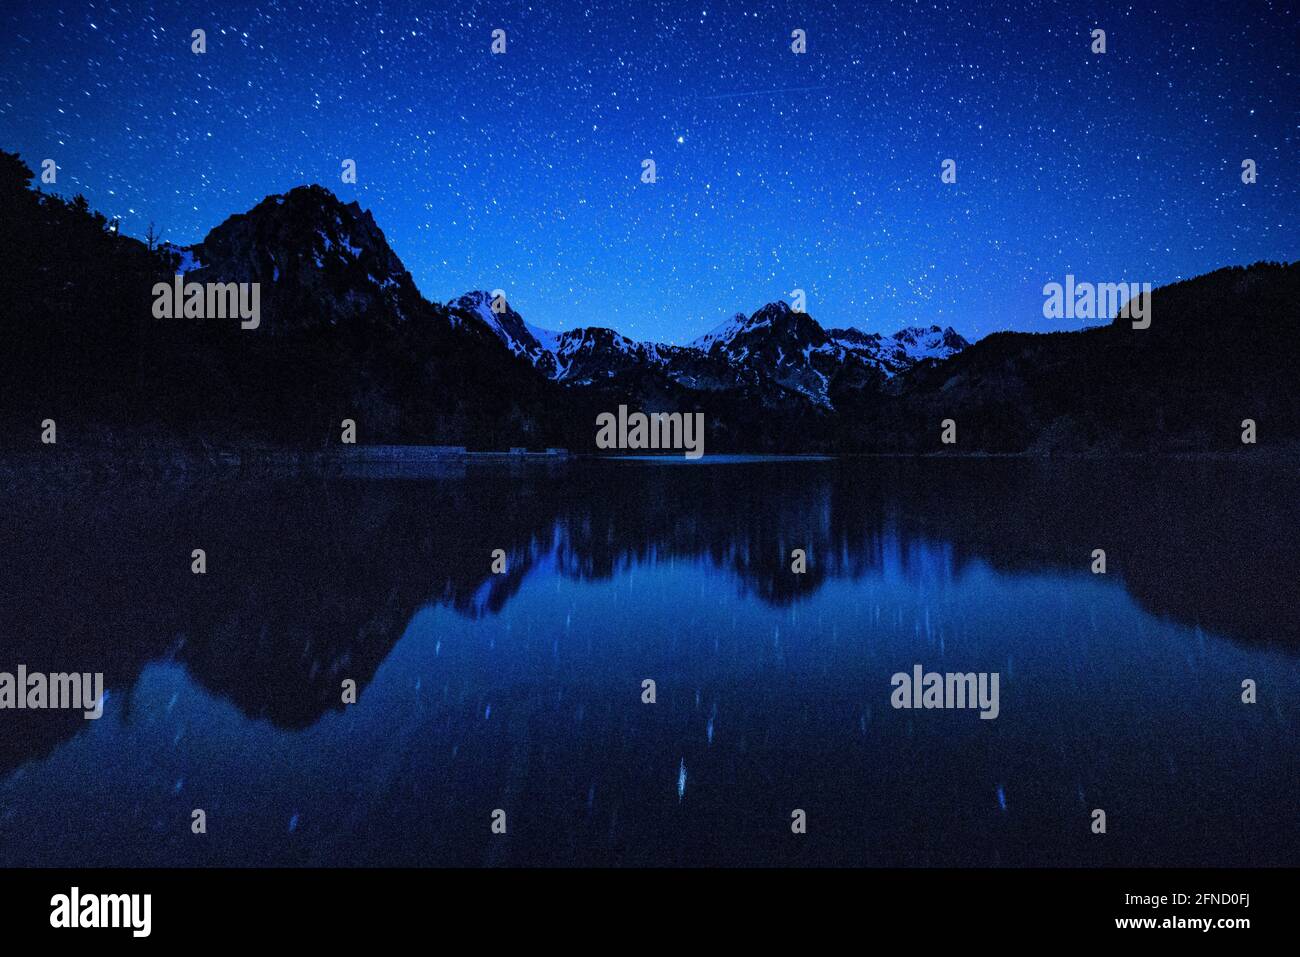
(312, 580)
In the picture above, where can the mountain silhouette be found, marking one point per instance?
(774, 349)
(345, 334)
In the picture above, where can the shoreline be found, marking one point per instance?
(420, 460)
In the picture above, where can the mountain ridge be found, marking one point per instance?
(765, 343)
(346, 335)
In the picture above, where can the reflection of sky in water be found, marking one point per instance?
(761, 709)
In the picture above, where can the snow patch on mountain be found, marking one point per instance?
(536, 345)
(904, 349)
(773, 348)
(723, 333)
(187, 259)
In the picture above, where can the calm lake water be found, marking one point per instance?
(523, 691)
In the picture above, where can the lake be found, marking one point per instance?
(523, 691)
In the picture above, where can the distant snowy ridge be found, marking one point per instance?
(774, 347)
(902, 350)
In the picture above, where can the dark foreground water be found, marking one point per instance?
(523, 691)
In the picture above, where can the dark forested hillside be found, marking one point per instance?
(84, 348)
(1221, 348)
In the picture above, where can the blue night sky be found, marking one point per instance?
(776, 171)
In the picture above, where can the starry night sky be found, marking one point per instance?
(775, 171)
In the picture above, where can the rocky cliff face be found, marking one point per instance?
(318, 260)
(776, 353)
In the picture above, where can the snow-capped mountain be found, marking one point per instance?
(585, 355)
(722, 333)
(774, 349)
(535, 345)
(778, 344)
(576, 356)
(904, 349)
(324, 262)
